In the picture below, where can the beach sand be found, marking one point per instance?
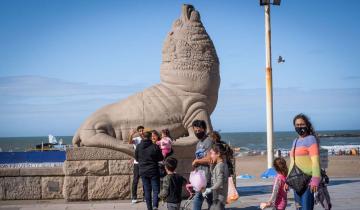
(339, 166)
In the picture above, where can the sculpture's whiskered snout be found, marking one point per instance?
(189, 13)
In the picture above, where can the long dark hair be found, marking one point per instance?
(308, 124)
(280, 166)
(219, 149)
(216, 137)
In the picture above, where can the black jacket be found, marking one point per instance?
(172, 188)
(148, 155)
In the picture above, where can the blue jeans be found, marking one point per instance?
(199, 199)
(151, 184)
(305, 201)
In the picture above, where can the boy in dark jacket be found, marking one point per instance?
(172, 185)
(148, 155)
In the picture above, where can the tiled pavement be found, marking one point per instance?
(345, 194)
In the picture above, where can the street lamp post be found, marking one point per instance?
(269, 91)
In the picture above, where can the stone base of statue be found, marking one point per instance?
(93, 173)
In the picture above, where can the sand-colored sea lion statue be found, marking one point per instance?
(188, 90)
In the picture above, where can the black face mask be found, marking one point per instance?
(200, 135)
(301, 130)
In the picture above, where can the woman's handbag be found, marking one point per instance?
(297, 179)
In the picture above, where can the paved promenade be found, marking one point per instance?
(345, 194)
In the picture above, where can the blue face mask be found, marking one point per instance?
(301, 130)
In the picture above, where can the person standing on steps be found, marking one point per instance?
(135, 141)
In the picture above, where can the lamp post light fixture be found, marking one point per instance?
(267, 2)
(269, 91)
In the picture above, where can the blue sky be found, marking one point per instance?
(62, 60)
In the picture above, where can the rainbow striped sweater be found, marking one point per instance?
(307, 158)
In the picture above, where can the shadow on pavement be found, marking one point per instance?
(265, 189)
(246, 208)
(339, 182)
(254, 190)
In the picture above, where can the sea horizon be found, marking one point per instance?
(219, 130)
(248, 140)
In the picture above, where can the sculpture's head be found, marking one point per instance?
(189, 59)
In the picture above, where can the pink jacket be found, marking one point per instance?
(280, 193)
(165, 145)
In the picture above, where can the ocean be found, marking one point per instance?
(249, 140)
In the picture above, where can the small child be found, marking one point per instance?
(172, 185)
(165, 142)
(278, 199)
(219, 178)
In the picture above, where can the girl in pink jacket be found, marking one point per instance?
(165, 142)
(278, 199)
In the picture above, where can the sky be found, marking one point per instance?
(61, 60)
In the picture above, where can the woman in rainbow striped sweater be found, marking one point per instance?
(307, 159)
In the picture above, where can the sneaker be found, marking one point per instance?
(155, 208)
(133, 201)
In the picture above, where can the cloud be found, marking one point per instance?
(35, 105)
(32, 105)
(236, 85)
(37, 86)
(245, 110)
(351, 78)
(316, 51)
(37, 91)
(29, 95)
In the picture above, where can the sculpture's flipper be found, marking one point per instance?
(109, 142)
(186, 141)
(76, 139)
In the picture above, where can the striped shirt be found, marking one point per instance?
(307, 158)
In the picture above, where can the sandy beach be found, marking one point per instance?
(339, 166)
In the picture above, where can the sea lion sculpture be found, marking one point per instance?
(188, 90)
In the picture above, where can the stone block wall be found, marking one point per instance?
(31, 183)
(98, 173)
(88, 173)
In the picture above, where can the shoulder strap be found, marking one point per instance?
(295, 149)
